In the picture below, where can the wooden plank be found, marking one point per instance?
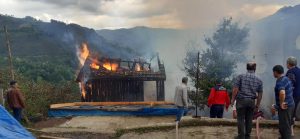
(151, 103)
(53, 106)
(1, 97)
(123, 103)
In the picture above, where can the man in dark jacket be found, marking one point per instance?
(218, 100)
(15, 100)
(294, 75)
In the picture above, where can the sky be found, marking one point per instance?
(113, 14)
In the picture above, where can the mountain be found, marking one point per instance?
(31, 37)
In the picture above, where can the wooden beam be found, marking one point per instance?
(53, 106)
(151, 103)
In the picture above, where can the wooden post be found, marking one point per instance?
(9, 54)
(1, 97)
(197, 83)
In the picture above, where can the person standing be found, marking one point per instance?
(181, 98)
(247, 87)
(218, 100)
(15, 100)
(293, 74)
(181, 101)
(284, 101)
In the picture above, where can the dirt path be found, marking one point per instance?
(204, 132)
(159, 127)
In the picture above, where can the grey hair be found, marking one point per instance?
(292, 61)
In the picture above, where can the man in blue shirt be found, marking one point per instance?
(294, 74)
(284, 101)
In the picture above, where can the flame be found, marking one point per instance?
(137, 67)
(110, 66)
(83, 92)
(83, 53)
(95, 66)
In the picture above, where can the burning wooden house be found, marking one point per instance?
(117, 80)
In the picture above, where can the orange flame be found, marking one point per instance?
(110, 66)
(83, 53)
(95, 66)
(137, 67)
(83, 92)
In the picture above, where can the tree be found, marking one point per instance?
(219, 60)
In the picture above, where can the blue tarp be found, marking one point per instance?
(10, 128)
(97, 112)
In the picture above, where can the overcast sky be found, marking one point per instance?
(101, 14)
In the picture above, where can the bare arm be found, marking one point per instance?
(259, 97)
(234, 93)
(281, 96)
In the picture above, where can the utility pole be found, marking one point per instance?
(9, 54)
(197, 83)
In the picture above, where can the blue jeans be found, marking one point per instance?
(180, 113)
(17, 114)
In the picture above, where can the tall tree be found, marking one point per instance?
(219, 60)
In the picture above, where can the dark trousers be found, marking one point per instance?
(17, 113)
(216, 111)
(245, 110)
(285, 122)
(297, 100)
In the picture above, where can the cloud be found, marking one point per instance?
(154, 13)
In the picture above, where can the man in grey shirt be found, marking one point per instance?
(247, 87)
(181, 98)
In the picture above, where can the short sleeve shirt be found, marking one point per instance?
(284, 83)
(248, 85)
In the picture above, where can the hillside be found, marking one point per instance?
(47, 50)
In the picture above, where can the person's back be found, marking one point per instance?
(247, 87)
(249, 84)
(15, 98)
(217, 100)
(180, 95)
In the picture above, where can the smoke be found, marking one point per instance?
(298, 42)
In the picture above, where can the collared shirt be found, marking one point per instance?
(181, 96)
(248, 85)
(294, 76)
(284, 83)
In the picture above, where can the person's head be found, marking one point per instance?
(219, 82)
(278, 70)
(291, 62)
(251, 66)
(13, 83)
(184, 80)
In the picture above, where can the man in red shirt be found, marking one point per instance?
(217, 100)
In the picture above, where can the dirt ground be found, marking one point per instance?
(105, 127)
(204, 132)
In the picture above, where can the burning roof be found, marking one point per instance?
(95, 68)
